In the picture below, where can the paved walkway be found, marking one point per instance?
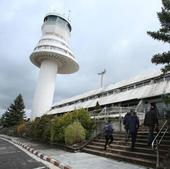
(80, 160)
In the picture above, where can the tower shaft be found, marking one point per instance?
(45, 88)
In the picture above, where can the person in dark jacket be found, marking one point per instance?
(126, 125)
(151, 120)
(133, 128)
(108, 133)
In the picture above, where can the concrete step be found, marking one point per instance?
(138, 143)
(135, 160)
(142, 136)
(142, 140)
(127, 152)
(138, 139)
(126, 147)
(120, 150)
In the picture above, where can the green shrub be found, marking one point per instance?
(47, 129)
(83, 117)
(21, 129)
(28, 131)
(74, 133)
(59, 124)
(33, 129)
(46, 133)
(40, 128)
(57, 129)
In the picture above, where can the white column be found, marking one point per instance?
(45, 88)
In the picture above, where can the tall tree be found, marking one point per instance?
(14, 114)
(163, 34)
(98, 108)
(5, 119)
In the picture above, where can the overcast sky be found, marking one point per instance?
(108, 34)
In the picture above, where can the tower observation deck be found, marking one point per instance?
(52, 55)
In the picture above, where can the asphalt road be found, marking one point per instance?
(11, 157)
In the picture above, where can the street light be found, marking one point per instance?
(102, 74)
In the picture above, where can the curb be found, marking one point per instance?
(40, 155)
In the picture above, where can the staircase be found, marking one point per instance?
(120, 150)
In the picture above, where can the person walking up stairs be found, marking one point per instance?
(133, 128)
(151, 120)
(108, 133)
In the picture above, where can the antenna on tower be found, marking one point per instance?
(69, 14)
(102, 74)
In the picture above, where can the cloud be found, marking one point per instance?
(110, 35)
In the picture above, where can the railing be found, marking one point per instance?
(58, 49)
(111, 112)
(58, 41)
(157, 141)
(116, 113)
(92, 137)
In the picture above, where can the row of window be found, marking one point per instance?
(53, 40)
(55, 34)
(53, 48)
(122, 89)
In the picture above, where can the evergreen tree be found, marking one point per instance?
(5, 119)
(14, 114)
(163, 34)
(98, 108)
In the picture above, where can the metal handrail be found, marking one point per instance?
(106, 112)
(156, 142)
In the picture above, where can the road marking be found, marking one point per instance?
(39, 168)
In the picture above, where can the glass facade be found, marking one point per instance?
(57, 19)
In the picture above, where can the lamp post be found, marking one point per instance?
(102, 74)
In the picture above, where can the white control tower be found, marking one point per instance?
(52, 55)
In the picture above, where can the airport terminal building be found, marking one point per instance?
(134, 92)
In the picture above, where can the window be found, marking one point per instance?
(50, 18)
(61, 21)
(68, 27)
(105, 94)
(130, 87)
(123, 89)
